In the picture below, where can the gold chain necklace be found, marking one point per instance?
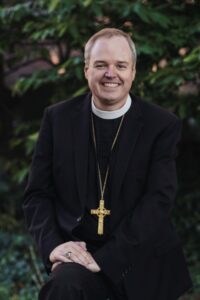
(101, 211)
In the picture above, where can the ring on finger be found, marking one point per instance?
(67, 254)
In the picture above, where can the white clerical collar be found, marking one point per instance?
(114, 114)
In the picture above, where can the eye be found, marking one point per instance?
(121, 67)
(100, 66)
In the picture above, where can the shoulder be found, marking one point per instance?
(67, 107)
(154, 114)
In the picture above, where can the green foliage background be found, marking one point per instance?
(167, 36)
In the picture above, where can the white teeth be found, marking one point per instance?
(110, 84)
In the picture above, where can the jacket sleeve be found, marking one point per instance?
(143, 227)
(40, 196)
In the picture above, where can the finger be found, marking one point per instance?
(82, 245)
(76, 254)
(90, 267)
(55, 265)
(93, 267)
(77, 260)
(79, 246)
(81, 254)
(59, 257)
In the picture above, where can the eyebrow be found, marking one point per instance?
(103, 61)
(122, 62)
(99, 61)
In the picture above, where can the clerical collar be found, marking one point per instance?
(114, 114)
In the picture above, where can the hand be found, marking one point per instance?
(55, 265)
(93, 266)
(79, 254)
(78, 251)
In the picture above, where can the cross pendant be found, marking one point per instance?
(100, 212)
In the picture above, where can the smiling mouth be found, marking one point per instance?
(110, 84)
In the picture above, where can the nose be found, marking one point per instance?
(110, 72)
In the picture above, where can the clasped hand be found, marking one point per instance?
(79, 254)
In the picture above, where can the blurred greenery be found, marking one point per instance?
(51, 35)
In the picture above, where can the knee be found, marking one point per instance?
(73, 279)
(72, 275)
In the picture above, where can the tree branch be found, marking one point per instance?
(14, 69)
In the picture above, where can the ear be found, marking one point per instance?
(133, 73)
(86, 71)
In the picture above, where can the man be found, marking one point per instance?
(102, 185)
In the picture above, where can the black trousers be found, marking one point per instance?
(72, 281)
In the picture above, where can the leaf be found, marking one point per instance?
(33, 137)
(194, 56)
(21, 174)
(80, 91)
(53, 5)
(139, 9)
(87, 3)
(149, 49)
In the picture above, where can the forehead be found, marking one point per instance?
(115, 47)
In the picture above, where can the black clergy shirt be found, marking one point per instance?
(105, 131)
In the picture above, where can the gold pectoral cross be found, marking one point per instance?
(101, 212)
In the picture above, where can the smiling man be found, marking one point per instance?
(110, 71)
(102, 185)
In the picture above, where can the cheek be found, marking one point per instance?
(95, 79)
(93, 83)
(129, 79)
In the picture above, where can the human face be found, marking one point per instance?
(110, 72)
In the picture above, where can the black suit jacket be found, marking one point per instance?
(144, 252)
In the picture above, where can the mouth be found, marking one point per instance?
(110, 84)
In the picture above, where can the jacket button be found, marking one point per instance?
(79, 219)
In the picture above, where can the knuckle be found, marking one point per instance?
(82, 258)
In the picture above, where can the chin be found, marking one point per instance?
(110, 97)
(109, 101)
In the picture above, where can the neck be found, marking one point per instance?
(111, 114)
(109, 106)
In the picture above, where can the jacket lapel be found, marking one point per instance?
(80, 133)
(131, 130)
